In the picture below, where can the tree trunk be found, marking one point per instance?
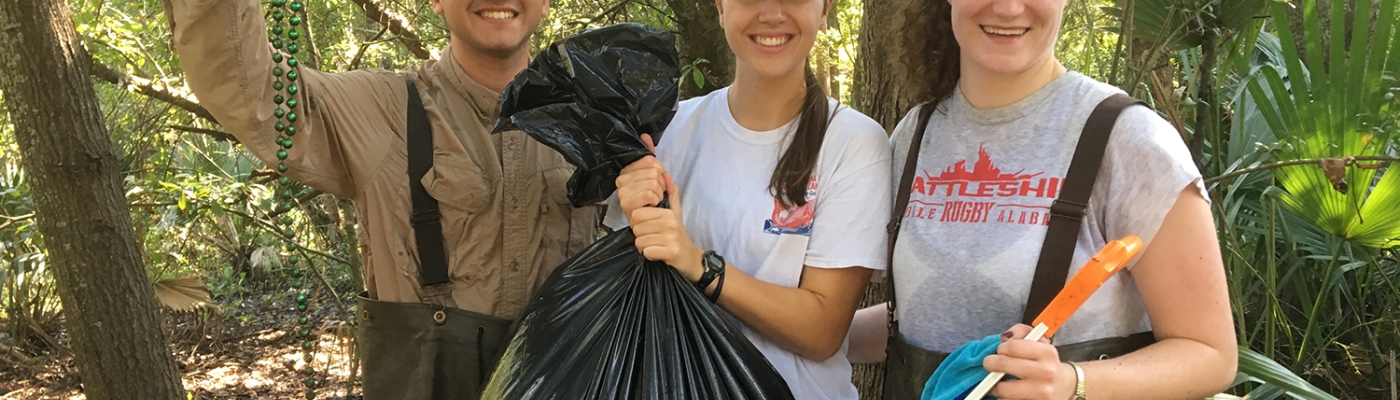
(108, 302)
(878, 91)
(700, 37)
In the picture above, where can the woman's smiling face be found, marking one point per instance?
(772, 37)
(1006, 36)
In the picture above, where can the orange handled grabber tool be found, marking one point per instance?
(1112, 258)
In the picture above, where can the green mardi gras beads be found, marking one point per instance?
(285, 38)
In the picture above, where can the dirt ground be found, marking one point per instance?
(244, 352)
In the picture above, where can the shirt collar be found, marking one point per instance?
(486, 102)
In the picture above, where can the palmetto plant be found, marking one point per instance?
(1336, 106)
(1301, 243)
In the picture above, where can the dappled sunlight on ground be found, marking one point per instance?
(252, 359)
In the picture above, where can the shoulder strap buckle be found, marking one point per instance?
(1068, 209)
(422, 218)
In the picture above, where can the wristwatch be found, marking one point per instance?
(1079, 393)
(714, 267)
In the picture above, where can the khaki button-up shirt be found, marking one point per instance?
(506, 222)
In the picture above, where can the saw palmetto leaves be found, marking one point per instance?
(184, 294)
(1180, 24)
(1333, 106)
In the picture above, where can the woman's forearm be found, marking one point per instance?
(1174, 368)
(802, 320)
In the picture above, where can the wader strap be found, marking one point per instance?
(426, 220)
(906, 182)
(1067, 212)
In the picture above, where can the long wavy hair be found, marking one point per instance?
(930, 59)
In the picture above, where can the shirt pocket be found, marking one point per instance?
(465, 196)
(556, 215)
(458, 184)
(556, 188)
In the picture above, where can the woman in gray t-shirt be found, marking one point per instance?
(993, 159)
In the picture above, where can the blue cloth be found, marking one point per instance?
(958, 374)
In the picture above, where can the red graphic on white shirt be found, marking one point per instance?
(982, 195)
(794, 221)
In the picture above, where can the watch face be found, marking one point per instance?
(713, 261)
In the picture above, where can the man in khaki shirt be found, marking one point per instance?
(505, 220)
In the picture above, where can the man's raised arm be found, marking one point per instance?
(346, 121)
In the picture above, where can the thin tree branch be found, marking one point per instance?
(360, 53)
(216, 134)
(17, 218)
(397, 25)
(148, 88)
(1305, 161)
(276, 232)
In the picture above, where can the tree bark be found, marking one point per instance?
(700, 37)
(878, 91)
(108, 302)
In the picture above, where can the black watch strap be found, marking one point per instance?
(714, 266)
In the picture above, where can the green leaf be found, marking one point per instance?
(699, 78)
(1271, 373)
(180, 204)
(1319, 114)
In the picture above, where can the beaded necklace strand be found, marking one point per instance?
(284, 40)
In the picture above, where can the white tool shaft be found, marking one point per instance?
(991, 380)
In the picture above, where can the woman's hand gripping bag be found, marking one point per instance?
(608, 324)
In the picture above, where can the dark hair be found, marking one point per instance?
(930, 60)
(794, 170)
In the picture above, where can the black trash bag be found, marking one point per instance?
(590, 96)
(608, 324)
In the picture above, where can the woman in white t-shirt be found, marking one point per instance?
(994, 156)
(778, 197)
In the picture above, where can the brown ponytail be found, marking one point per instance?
(794, 170)
(931, 54)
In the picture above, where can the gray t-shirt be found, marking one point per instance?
(983, 186)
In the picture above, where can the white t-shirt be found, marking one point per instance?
(976, 219)
(722, 171)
